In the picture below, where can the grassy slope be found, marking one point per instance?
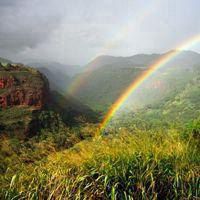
(15, 115)
(157, 163)
(140, 166)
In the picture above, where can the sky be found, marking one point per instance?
(77, 31)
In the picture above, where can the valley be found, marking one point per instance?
(99, 100)
(52, 146)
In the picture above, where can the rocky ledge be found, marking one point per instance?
(21, 85)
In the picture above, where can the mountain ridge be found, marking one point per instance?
(147, 59)
(105, 82)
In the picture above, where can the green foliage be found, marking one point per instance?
(50, 120)
(72, 111)
(192, 130)
(176, 110)
(15, 119)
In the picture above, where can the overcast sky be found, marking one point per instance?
(76, 31)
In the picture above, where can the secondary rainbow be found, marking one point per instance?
(151, 70)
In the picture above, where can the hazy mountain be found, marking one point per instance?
(55, 67)
(59, 75)
(71, 110)
(139, 60)
(107, 77)
(57, 79)
(179, 107)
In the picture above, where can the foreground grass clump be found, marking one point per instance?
(125, 166)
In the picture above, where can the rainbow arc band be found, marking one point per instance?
(145, 75)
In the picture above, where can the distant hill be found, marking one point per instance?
(180, 107)
(54, 67)
(59, 75)
(106, 77)
(139, 60)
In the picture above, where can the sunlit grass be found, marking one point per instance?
(141, 165)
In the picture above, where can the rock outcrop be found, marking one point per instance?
(20, 85)
(27, 106)
(24, 92)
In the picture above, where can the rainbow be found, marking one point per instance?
(145, 75)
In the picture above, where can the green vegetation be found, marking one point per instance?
(139, 165)
(109, 83)
(72, 111)
(110, 76)
(177, 109)
(149, 153)
(15, 119)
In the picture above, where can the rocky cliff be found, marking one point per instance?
(24, 92)
(27, 105)
(20, 85)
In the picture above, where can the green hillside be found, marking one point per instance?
(104, 84)
(72, 111)
(153, 164)
(102, 87)
(147, 153)
(185, 105)
(177, 109)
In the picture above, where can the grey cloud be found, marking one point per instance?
(7, 3)
(25, 26)
(75, 31)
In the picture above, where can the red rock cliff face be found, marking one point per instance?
(24, 86)
(6, 82)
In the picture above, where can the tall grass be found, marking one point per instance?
(142, 165)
